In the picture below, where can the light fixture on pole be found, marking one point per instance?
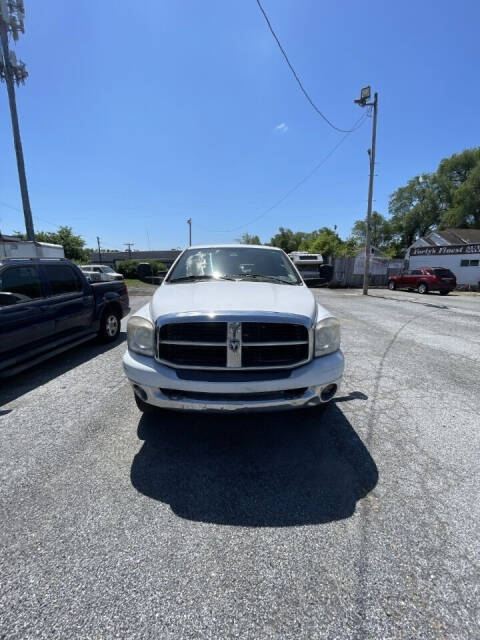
(365, 94)
(189, 222)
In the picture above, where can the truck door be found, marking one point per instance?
(24, 320)
(70, 299)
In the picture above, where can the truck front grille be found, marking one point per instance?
(233, 345)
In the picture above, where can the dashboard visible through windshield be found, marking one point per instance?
(234, 263)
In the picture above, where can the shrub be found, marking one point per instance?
(128, 268)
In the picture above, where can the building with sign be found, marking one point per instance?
(454, 249)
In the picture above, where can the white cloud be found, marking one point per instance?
(282, 127)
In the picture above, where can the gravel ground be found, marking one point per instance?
(359, 521)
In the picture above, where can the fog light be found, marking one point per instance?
(328, 392)
(140, 392)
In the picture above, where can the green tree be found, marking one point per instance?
(324, 241)
(247, 238)
(381, 233)
(288, 240)
(453, 172)
(465, 207)
(450, 197)
(73, 245)
(415, 208)
(347, 248)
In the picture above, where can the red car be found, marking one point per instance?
(425, 279)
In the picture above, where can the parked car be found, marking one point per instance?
(425, 279)
(48, 306)
(233, 328)
(102, 272)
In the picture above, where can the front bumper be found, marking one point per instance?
(306, 386)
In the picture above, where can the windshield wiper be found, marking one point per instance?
(195, 278)
(258, 276)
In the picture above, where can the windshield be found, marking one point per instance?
(442, 273)
(238, 263)
(107, 270)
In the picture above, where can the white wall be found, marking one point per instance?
(465, 275)
(26, 249)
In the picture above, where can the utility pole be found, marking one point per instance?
(364, 96)
(12, 14)
(99, 251)
(129, 246)
(189, 222)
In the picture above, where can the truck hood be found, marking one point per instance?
(209, 297)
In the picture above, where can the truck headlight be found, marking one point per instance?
(327, 336)
(140, 335)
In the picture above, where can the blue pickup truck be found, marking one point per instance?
(47, 306)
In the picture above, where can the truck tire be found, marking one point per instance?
(109, 325)
(144, 406)
(392, 285)
(422, 288)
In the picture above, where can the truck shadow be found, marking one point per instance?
(257, 470)
(15, 386)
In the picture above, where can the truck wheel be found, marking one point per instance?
(422, 288)
(392, 285)
(144, 406)
(109, 326)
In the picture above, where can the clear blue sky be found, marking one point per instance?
(138, 115)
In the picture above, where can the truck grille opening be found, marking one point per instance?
(195, 332)
(272, 332)
(275, 356)
(193, 355)
(233, 345)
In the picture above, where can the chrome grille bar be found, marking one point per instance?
(234, 345)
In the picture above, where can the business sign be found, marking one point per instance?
(449, 250)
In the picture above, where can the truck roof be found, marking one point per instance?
(232, 246)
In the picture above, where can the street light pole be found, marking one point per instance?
(189, 222)
(11, 20)
(364, 96)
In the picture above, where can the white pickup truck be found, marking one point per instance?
(233, 328)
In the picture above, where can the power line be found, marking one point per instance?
(295, 75)
(358, 124)
(9, 206)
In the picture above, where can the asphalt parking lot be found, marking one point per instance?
(359, 521)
